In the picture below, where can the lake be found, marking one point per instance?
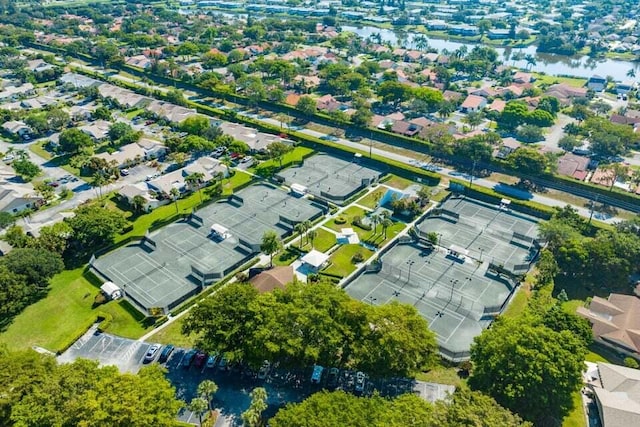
(580, 66)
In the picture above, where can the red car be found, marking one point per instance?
(201, 357)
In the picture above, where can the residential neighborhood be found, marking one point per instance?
(345, 212)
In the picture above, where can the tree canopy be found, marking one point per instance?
(302, 325)
(39, 392)
(529, 369)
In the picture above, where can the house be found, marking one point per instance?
(16, 198)
(522, 77)
(565, 93)
(38, 65)
(615, 322)
(508, 146)
(15, 92)
(78, 80)
(139, 61)
(573, 165)
(170, 112)
(130, 191)
(98, 130)
(597, 83)
(617, 394)
(498, 34)
(624, 87)
(124, 97)
(473, 103)
(452, 96)
(328, 103)
(309, 82)
(207, 166)
(405, 128)
(257, 141)
(624, 120)
(485, 92)
(18, 128)
(80, 113)
(274, 278)
(497, 105)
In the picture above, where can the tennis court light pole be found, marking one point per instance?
(409, 263)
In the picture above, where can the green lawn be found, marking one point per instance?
(398, 182)
(442, 375)
(373, 237)
(286, 256)
(66, 312)
(133, 113)
(440, 195)
(62, 161)
(575, 418)
(371, 200)
(519, 302)
(40, 151)
(545, 79)
(172, 334)
(340, 261)
(324, 241)
(296, 155)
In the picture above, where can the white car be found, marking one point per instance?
(264, 370)
(8, 158)
(151, 353)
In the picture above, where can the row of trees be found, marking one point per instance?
(306, 324)
(36, 391)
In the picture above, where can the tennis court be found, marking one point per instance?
(331, 177)
(487, 232)
(167, 266)
(457, 298)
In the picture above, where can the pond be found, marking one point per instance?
(581, 66)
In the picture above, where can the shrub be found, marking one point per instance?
(99, 299)
(340, 220)
(357, 258)
(630, 362)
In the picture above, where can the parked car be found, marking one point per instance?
(53, 184)
(8, 158)
(223, 365)
(360, 382)
(316, 376)
(200, 359)
(211, 361)
(124, 172)
(151, 353)
(248, 161)
(166, 352)
(332, 377)
(264, 370)
(188, 358)
(218, 152)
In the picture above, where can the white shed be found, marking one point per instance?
(219, 231)
(111, 290)
(315, 259)
(298, 189)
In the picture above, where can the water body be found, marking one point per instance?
(581, 66)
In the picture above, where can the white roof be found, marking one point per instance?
(458, 249)
(315, 258)
(505, 201)
(109, 288)
(219, 229)
(298, 188)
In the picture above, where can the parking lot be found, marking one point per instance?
(235, 384)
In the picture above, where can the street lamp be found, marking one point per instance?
(481, 252)
(409, 263)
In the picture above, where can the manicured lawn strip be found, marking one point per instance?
(324, 241)
(440, 196)
(550, 80)
(340, 260)
(398, 182)
(61, 161)
(172, 334)
(65, 313)
(40, 151)
(286, 256)
(133, 113)
(348, 215)
(376, 237)
(576, 417)
(294, 156)
(442, 375)
(371, 200)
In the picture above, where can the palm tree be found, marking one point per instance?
(376, 220)
(386, 223)
(531, 60)
(193, 181)
(198, 406)
(307, 226)
(98, 180)
(311, 235)
(253, 415)
(175, 194)
(207, 388)
(299, 229)
(631, 73)
(226, 160)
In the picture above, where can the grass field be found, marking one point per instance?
(442, 375)
(172, 335)
(66, 312)
(62, 161)
(296, 155)
(340, 260)
(324, 241)
(544, 79)
(398, 182)
(371, 200)
(373, 237)
(576, 417)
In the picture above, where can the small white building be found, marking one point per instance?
(111, 290)
(315, 260)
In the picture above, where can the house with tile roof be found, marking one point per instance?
(615, 322)
(617, 393)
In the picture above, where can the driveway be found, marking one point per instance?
(556, 132)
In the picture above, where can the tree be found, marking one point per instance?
(362, 117)
(137, 203)
(471, 408)
(57, 118)
(277, 151)
(26, 169)
(44, 190)
(37, 266)
(73, 140)
(207, 389)
(38, 123)
(529, 133)
(93, 227)
(54, 238)
(198, 406)
(394, 92)
(474, 118)
(195, 125)
(616, 171)
(386, 222)
(15, 295)
(119, 130)
(102, 113)
(569, 142)
(311, 236)
(527, 160)
(270, 244)
(175, 195)
(6, 219)
(252, 416)
(517, 353)
(307, 105)
(299, 230)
